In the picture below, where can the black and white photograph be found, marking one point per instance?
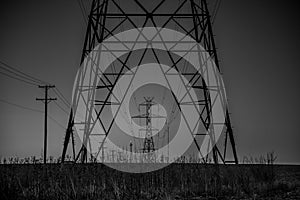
(149, 100)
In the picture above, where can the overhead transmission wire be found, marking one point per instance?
(55, 121)
(33, 110)
(83, 11)
(62, 97)
(21, 74)
(61, 108)
(18, 79)
(16, 74)
(83, 7)
(20, 106)
(13, 73)
(215, 10)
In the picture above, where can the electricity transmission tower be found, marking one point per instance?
(120, 37)
(148, 146)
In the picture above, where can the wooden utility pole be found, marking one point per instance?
(46, 100)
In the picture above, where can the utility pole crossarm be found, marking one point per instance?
(49, 99)
(148, 116)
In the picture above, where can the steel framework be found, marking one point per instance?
(149, 146)
(108, 18)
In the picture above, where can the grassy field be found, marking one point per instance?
(177, 181)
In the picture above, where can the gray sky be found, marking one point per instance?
(257, 45)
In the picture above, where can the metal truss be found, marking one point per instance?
(149, 146)
(108, 18)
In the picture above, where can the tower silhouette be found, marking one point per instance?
(166, 32)
(148, 141)
(148, 145)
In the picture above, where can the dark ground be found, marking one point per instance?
(177, 181)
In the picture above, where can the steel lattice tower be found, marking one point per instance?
(107, 19)
(148, 141)
(149, 146)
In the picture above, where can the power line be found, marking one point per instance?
(61, 108)
(26, 76)
(82, 11)
(34, 84)
(82, 4)
(20, 106)
(215, 10)
(33, 110)
(10, 76)
(16, 74)
(62, 98)
(55, 121)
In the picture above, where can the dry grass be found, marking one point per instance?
(177, 181)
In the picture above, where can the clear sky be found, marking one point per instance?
(258, 47)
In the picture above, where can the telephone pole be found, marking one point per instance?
(46, 100)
